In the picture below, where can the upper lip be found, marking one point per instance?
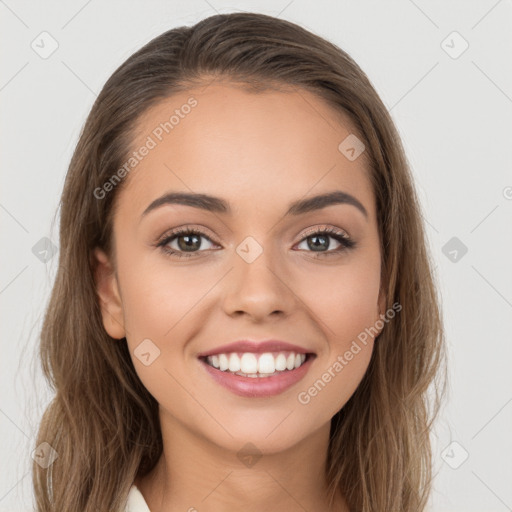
(256, 347)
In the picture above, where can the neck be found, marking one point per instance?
(195, 474)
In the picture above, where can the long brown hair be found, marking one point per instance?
(102, 421)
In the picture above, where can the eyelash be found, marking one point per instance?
(345, 241)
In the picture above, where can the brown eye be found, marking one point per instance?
(188, 242)
(320, 241)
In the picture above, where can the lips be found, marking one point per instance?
(268, 367)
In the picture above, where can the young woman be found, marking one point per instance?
(244, 315)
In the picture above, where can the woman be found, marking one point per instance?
(204, 356)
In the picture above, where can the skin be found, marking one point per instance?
(259, 152)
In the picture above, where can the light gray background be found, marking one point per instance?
(454, 115)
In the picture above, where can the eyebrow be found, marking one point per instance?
(218, 205)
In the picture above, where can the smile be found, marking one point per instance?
(257, 374)
(256, 365)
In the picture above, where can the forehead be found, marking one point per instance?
(257, 150)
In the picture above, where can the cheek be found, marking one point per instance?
(344, 299)
(156, 295)
(332, 383)
(158, 304)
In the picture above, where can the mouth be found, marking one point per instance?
(254, 365)
(257, 374)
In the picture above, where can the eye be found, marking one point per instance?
(188, 242)
(320, 239)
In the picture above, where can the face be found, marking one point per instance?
(249, 271)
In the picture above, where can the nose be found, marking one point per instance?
(259, 288)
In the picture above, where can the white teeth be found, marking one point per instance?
(253, 365)
(249, 363)
(234, 363)
(266, 363)
(223, 362)
(280, 362)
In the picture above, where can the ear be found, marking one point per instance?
(107, 290)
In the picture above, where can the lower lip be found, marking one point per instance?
(258, 387)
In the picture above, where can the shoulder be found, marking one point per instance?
(136, 502)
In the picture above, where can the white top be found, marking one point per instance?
(136, 502)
